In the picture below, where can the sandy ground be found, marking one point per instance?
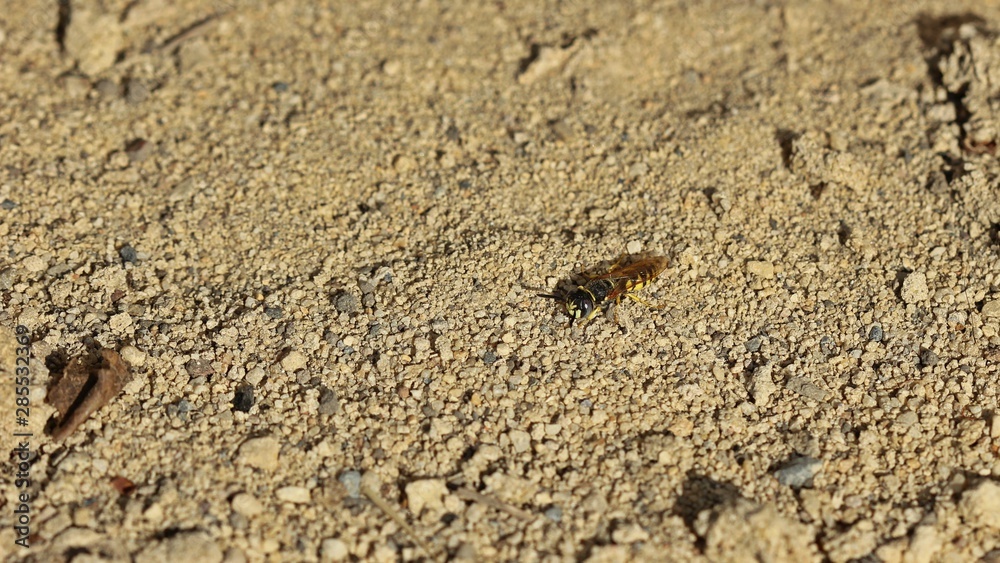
(316, 234)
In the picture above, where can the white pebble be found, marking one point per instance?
(991, 309)
(34, 264)
(762, 386)
(133, 356)
(294, 361)
(255, 376)
(333, 549)
(261, 453)
(981, 506)
(761, 269)
(426, 493)
(915, 288)
(247, 505)
(520, 439)
(120, 322)
(296, 495)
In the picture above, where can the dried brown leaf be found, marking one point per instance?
(87, 384)
(123, 485)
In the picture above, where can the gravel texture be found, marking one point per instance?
(317, 233)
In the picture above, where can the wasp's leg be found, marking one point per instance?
(617, 305)
(610, 310)
(618, 263)
(646, 303)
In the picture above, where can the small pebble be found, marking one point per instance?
(255, 376)
(629, 533)
(261, 453)
(7, 278)
(193, 54)
(138, 150)
(331, 337)
(762, 386)
(351, 480)
(806, 388)
(345, 302)
(128, 254)
(35, 264)
(133, 356)
(875, 334)
(274, 312)
(490, 357)
(520, 439)
(107, 89)
(426, 493)
(761, 269)
(187, 545)
(799, 472)
(753, 344)
(294, 361)
(294, 495)
(991, 309)
(247, 505)
(183, 189)
(914, 288)
(554, 513)
(366, 287)
(180, 408)
(928, 358)
(333, 549)
(906, 420)
(638, 170)
(980, 506)
(136, 92)
(243, 398)
(120, 323)
(94, 38)
(328, 402)
(59, 269)
(7, 205)
(199, 367)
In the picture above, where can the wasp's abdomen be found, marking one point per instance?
(646, 275)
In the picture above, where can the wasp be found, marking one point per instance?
(600, 290)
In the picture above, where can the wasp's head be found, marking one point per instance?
(580, 304)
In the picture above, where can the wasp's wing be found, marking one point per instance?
(648, 268)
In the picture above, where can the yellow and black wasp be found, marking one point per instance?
(600, 290)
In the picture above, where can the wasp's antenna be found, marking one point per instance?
(556, 297)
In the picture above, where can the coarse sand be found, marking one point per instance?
(316, 235)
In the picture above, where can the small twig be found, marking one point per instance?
(466, 493)
(199, 28)
(397, 518)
